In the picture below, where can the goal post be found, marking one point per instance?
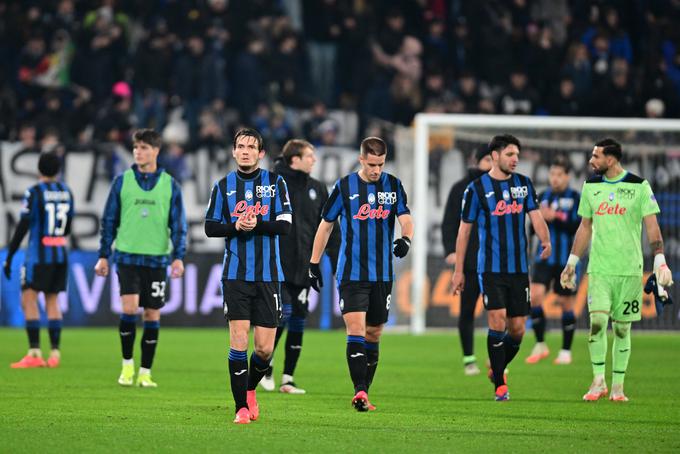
(651, 146)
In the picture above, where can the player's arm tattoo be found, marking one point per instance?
(657, 246)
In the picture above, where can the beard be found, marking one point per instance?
(600, 171)
(504, 169)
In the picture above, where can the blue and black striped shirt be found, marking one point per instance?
(49, 209)
(499, 207)
(367, 213)
(177, 223)
(251, 257)
(563, 227)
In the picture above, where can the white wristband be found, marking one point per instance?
(573, 260)
(659, 259)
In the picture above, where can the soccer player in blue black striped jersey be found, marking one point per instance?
(367, 202)
(498, 203)
(250, 208)
(46, 214)
(559, 207)
(144, 215)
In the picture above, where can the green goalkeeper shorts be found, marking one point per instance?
(620, 296)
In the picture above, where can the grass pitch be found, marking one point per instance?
(425, 403)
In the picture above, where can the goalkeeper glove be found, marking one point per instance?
(661, 296)
(664, 277)
(315, 279)
(401, 246)
(568, 276)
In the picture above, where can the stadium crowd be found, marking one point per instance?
(77, 72)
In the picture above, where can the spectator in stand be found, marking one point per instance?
(519, 98)
(114, 120)
(311, 125)
(564, 101)
(152, 66)
(199, 80)
(578, 68)
(322, 20)
(616, 98)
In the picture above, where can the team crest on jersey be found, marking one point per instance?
(312, 193)
(249, 195)
(145, 212)
(518, 192)
(506, 194)
(387, 198)
(265, 191)
(371, 198)
(611, 196)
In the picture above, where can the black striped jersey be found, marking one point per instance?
(499, 207)
(563, 227)
(367, 213)
(249, 256)
(49, 210)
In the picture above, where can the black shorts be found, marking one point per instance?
(147, 282)
(259, 302)
(545, 274)
(297, 297)
(43, 277)
(374, 298)
(506, 291)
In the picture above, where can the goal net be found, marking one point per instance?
(439, 157)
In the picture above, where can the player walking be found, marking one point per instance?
(498, 203)
(367, 202)
(614, 204)
(250, 208)
(559, 206)
(144, 215)
(46, 214)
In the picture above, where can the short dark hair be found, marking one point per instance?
(249, 132)
(561, 161)
(481, 152)
(49, 164)
(500, 142)
(148, 136)
(294, 148)
(373, 145)
(611, 147)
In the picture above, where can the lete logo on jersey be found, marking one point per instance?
(242, 207)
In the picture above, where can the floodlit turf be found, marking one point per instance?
(425, 403)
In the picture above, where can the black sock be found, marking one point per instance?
(149, 342)
(495, 345)
(372, 354)
(127, 329)
(238, 376)
(356, 360)
(568, 327)
(466, 320)
(538, 323)
(296, 327)
(54, 329)
(258, 367)
(33, 331)
(511, 348)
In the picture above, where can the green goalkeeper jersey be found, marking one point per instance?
(616, 208)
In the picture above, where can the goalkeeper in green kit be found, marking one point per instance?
(613, 206)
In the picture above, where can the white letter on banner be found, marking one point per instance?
(190, 291)
(175, 301)
(89, 298)
(212, 296)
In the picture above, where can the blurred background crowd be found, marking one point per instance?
(76, 72)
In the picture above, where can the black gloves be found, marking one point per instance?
(401, 247)
(7, 268)
(661, 297)
(315, 279)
